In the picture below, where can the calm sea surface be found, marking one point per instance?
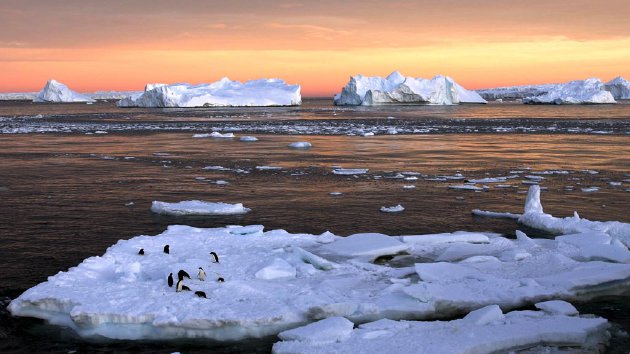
(69, 174)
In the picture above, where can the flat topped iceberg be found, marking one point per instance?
(589, 91)
(197, 207)
(57, 92)
(225, 92)
(619, 88)
(486, 330)
(397, 89)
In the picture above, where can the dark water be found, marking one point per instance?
(64, 195)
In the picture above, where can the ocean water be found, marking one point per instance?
(75, 178)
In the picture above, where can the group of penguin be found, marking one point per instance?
(201, 275)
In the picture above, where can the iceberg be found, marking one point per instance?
(486, 330)
(515, 92)
(57, 92)
(398, 89)
(589, 91)
(619, 88)
(225, 92)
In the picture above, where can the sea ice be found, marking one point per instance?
(300, 145)
(197, 207)
(350, 171)
(393, 209)
(263, 92)
(397, 89)
(501, 333)
(57, 92)
(589, 91)
(248, 138)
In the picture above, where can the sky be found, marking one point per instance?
(95, 45)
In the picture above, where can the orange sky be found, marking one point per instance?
(122, 45)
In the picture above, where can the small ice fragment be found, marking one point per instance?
(350, 171)
(590, 189)
(394, 209)
(411, 186)
(335, 194)
(248, 138)
(300, 145)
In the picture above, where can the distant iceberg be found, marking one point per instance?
(57, 92)
(619, 88)
(225, 92)
(398, 89)
(589, 91)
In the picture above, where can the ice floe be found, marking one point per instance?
(486, 330)
(248, 138)
(397, 89)
(56, 92)
(350, 171)
(197, 207)
(215, 135)
(393, 209)
(304, 145)
(225, 92)
(589, 91)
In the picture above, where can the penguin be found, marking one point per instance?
(181, 287)
(201, 294)
(166, 249)
(181, 274)
(141, 252)
(215, 256)
(220, 280)
(170, 280)
(201, 275)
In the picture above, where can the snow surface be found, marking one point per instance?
(56, 92)
(263, 92)
(619, 88)
(197, 207)
(589, 91)
(397, 89)
(494, 333)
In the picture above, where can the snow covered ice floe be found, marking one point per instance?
(225, 92)
(398, 89)
(56, 92)
(486, 330)
(589, 91)
(197, 207)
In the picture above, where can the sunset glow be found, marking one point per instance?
(118, 45)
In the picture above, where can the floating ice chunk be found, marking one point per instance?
(589, 189)
(396, 88)
(216, 168)
(411, 186)
(485, 315)
(467, 187)
(300, 145)
(197, 207)
(248, 138)
(268, 168)
(350, 171)
(369, 245)
(335, 194)
(492, 214)
(575, 92)
(57, 92)
(278, 268)
(214, 135)
(517, 330)
(329, 330)
(394, 209)
(263, 92)
(535, 217)
(557, 307)
(488, 180)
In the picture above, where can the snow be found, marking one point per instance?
(263, 92)
(397, 89)
(369, 245)
(619, 88)
(393, 209)
(57, 92)
(502, 333)
(589, 91)
(305, 145)
(350, 171)
(278, 268)
(197, 207)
